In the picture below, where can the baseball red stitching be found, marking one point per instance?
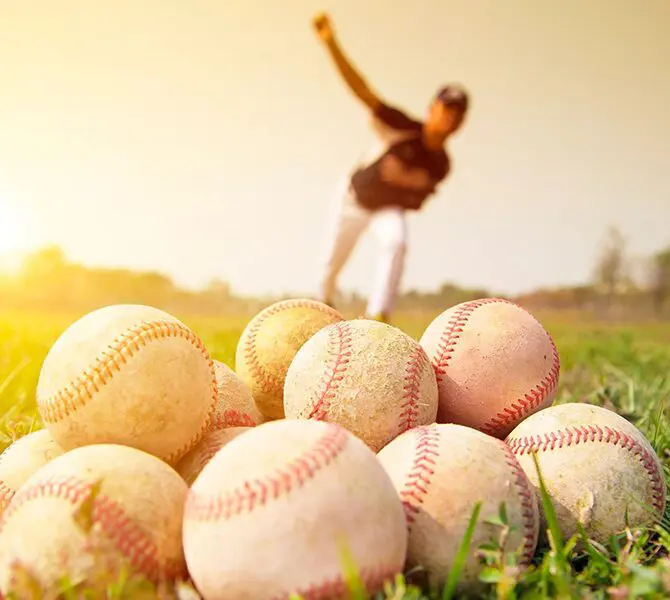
(234, 418)
(214, 442)
(6, 495)
(528, 503)
(452, 333)
(6, 492)
(266, 380)
(253, 494)
(412, 389)
(336, 587)
(528, 403)
(423, 468)
(206, 452)
(520, 407)
(339, 353)
(594, 433)
(128, 538)
(210, 449)
(76, 394)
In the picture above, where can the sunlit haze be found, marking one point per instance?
(12, 228)
(205, 139)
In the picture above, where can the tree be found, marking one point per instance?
(45, 277)
(660, 279)
(611, 272)
(219, 287)
(47, 263)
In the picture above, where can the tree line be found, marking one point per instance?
(47, 280)
(621, 284)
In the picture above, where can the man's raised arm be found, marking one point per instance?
(354, 80)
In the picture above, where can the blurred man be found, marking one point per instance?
(398, 175)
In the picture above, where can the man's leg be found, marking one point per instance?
(390, 228)
(348, 221)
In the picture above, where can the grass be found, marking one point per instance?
(623, 367)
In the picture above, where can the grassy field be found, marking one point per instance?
(619, 366)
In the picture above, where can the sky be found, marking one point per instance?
(206, 139)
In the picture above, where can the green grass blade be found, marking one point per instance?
(658, 424)
(11, 376)
(555, 534)
(561, 574)
(461, 555)
(351, 574)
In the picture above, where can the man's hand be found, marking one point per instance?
(323, 27)
(393, 171)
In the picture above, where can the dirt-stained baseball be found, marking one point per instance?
(268, 515)
(495, 364)
(236, 406)
(440, 472)
(598, 468)
(131, 375)
(369, 377)
(22, 459)
(190, 466)
(90, 513)
(270, 341)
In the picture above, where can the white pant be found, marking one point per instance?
(348, 221)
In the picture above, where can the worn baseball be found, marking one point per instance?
(495, 364)
(369, 377)
(131, 375)
(22, 459)
(440, 472)
(272, 512)
(236, 406)
(190, 466)
(270, 341)
(90, 513)
(598, 468)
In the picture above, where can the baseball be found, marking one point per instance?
(91, 512)
(131, 375)
(268, 515)
(21, 459)
(369, 377)
(190, 466)
(236, 406)
(596, 465)
(440, 472)
(270, 341)
(495, 365)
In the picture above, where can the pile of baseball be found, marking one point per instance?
(330, 438)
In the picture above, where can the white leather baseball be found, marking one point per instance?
(597, 467)
(190, 466)
(369, 377)
(269, 343)
(22, 459)
(58, 526)
(440, 472)
(235, 406)
(495, 364)
(267, 514)
(131, 375)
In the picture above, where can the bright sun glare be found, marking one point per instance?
(11, 229)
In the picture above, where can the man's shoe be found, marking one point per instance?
(381, 317)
